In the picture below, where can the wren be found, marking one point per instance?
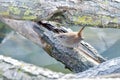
(70, 39)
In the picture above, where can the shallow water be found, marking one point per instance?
(106, 41)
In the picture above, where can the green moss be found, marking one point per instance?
(14, 10)
(86, 20)
(29, 17)
(4, 13)
(105, 2)
(93, 21)
(115, 20)
(1, 72)
(27, 12)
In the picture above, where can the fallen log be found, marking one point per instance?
(12, 69)
(77, 59)
(98, 13)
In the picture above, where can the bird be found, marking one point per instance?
(70, 39)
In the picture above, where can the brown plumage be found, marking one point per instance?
(70, 39)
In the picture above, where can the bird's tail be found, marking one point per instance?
(80, 32)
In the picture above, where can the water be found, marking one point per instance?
(106, 41)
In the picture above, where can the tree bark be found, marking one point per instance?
(12, 69)
(95, 13)
(101, 13)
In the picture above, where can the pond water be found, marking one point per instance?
(106, 41)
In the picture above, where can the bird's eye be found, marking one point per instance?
(62, 36)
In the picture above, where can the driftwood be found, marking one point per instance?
(12, 69)
(105, 13)
(77, 59)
